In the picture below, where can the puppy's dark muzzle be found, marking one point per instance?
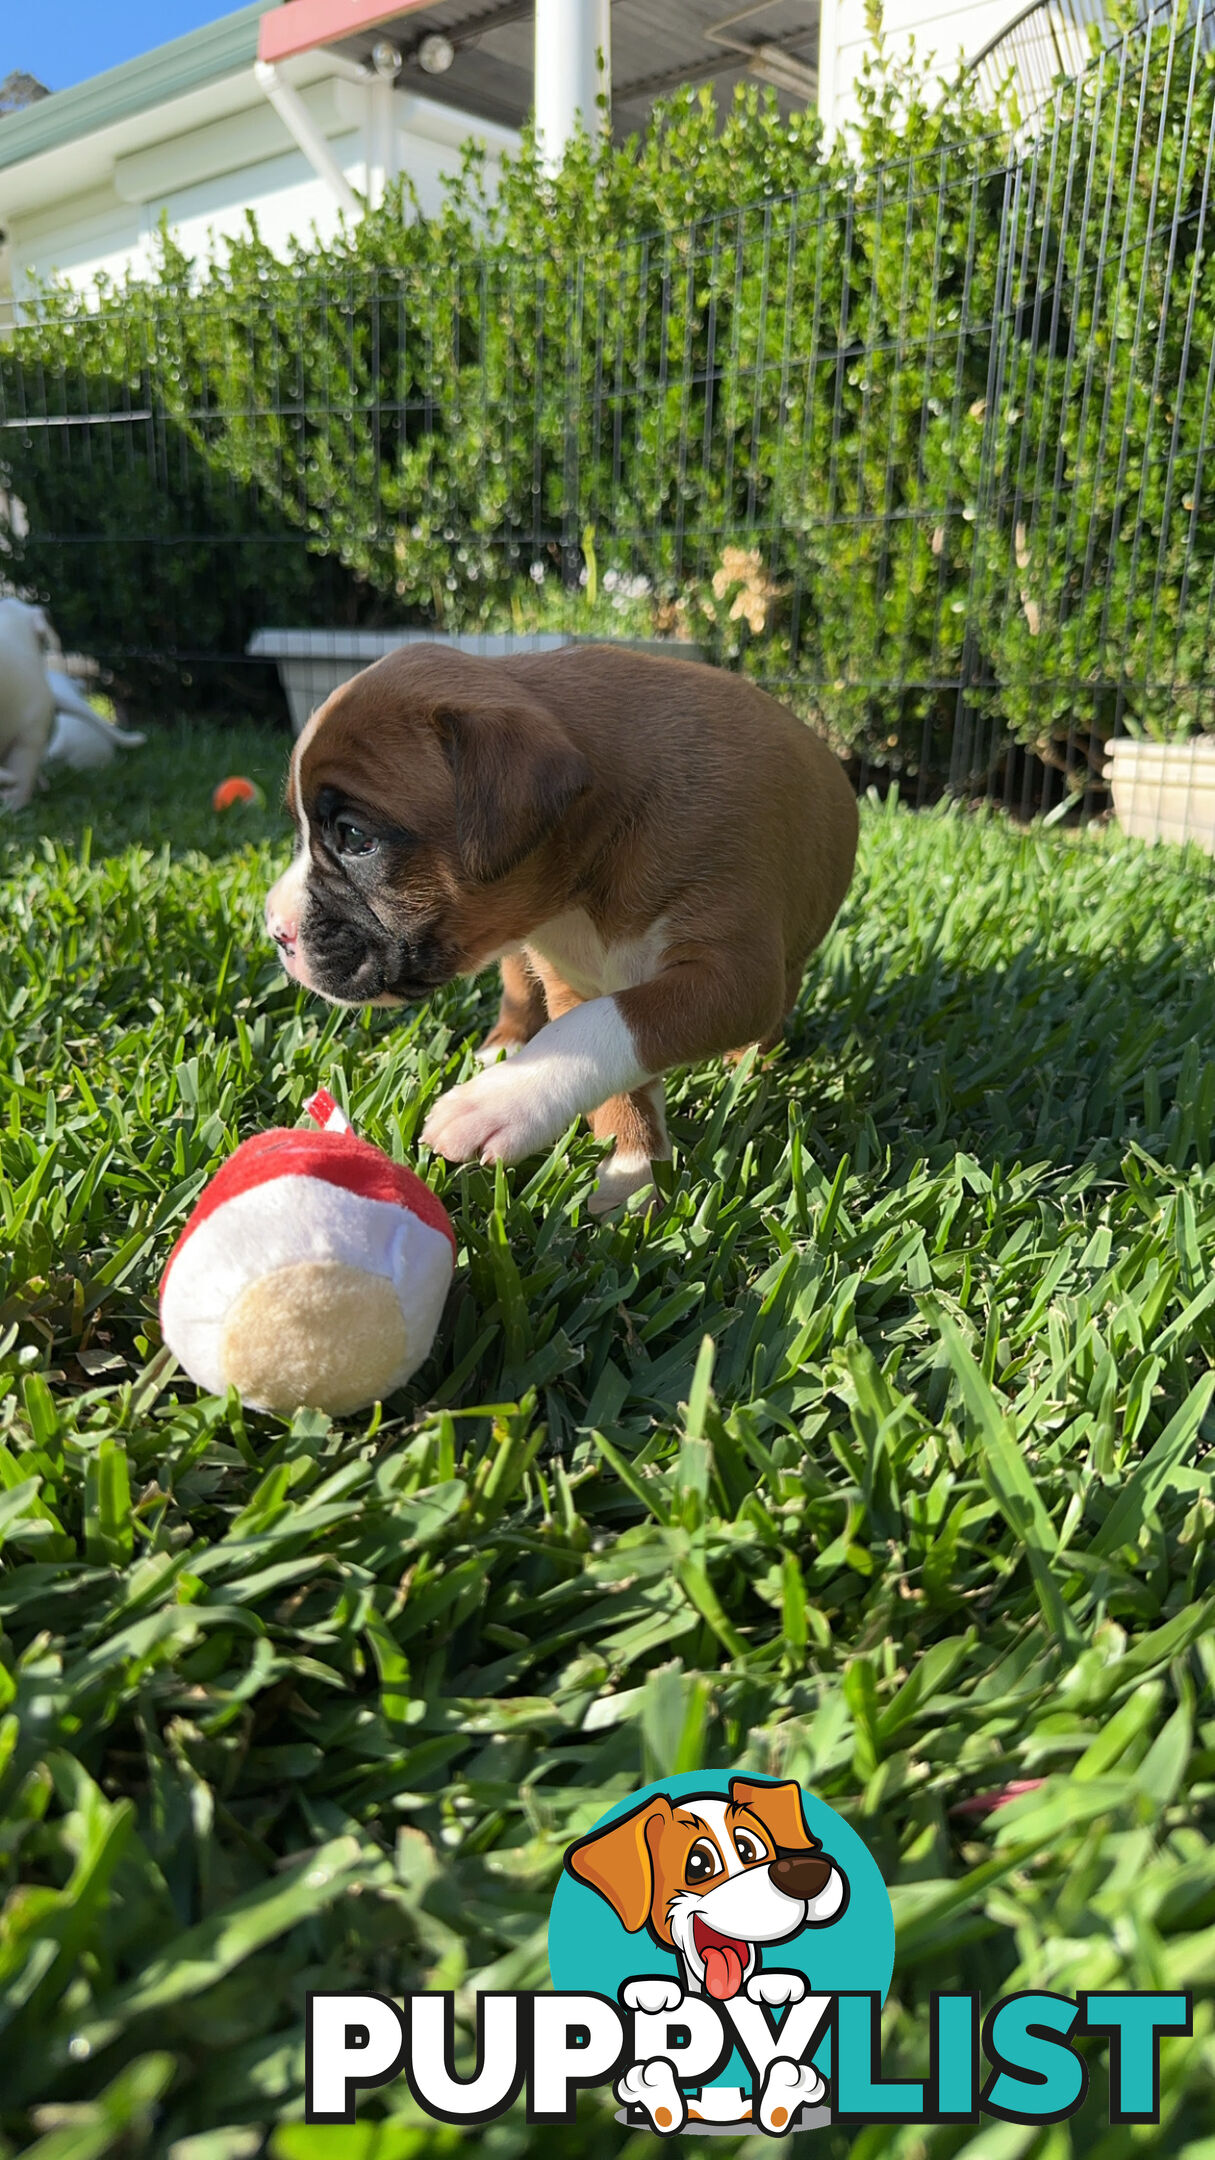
(801, 1875)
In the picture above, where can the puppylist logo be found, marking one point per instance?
(723, 1915)
(720, 1950)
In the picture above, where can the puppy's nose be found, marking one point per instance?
(802, 1875)
(285, 933)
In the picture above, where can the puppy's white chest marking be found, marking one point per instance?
(572, 945)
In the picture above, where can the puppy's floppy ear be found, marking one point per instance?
(779, 1809)
(618, 1862)
(517, 773)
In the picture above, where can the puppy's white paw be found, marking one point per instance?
(494, 1053)
(619, 1178)
(503, 1115)
(653, 1996)
(775, 1988)
(788, 2087)
(651, 2085)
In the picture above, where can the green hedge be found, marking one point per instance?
(151, 557)
(919, 431)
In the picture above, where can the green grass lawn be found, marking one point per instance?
(880, 1459)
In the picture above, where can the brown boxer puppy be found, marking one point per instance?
(651, 848)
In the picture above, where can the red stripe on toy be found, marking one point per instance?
(321, 1108)
(337, 1158)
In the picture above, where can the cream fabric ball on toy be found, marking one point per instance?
(311, 1274)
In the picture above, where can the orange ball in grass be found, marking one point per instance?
(236, 789)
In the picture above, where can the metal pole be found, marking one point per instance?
(829, 86)
(573, 71)
(298, 121)
(382, 131)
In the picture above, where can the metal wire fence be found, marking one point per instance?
(925, 449)
(1046, 40)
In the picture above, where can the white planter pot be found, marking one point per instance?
(1164, 791)
(312, 663)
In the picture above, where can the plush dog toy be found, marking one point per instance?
(312, 1272)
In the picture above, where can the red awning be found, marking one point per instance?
(300, 25)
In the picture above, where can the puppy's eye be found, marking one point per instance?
(702, 1862)
(749, 1849)
(351, 838)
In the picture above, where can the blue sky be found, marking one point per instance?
(65, 41)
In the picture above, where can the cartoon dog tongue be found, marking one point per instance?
(723, 1968)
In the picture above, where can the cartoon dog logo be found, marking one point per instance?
(719, 1881)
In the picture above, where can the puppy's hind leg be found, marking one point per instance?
(522, 1013)
(762, 1049)
(775, 1036)
(637, 1123)
(788, 2087)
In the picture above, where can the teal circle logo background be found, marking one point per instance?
(589, 1949)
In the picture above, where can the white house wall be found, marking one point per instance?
(947, 30)
(205, 180)
(284, 194)
(230, 144)
(80, 239)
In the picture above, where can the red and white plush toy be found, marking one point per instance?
(312, 1272)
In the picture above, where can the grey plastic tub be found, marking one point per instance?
(312, 663)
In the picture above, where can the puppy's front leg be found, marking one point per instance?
(638, 1126)
(18, 777)
(607, 1047)
(522, 1013)
(515, 1109)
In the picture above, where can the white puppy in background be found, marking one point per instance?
(82, 739)
(27, 702)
